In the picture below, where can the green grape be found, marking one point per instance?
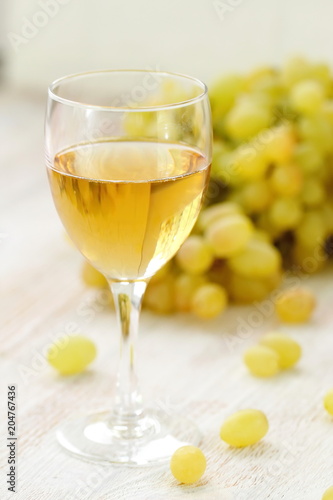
(188, 464)
(222, 167)
(328, 401)
(261, 361)
(286, 180)
(294, 70)
(307, 96)
(246, 119)
(257, 75)
(184, 288)
(279, 144)
(216, 212)
(229, 234)
(295, 305)
(287, 349)
(257, 260)
(195, 256)
(313, 192)
(244, 428)
(321, 73)
(318, 130)
(245, 291)
(248, 290)
(72, 357)
(265, 81)
(159, 297)
(328, 495)
(308, 157)
(171, 91)
(209, 300)
(92, 277)
(218, 160)
(224, 92)
(285, 213)
(262, 100)
(271, 86)
(264, 223)
(312, 229)
(328, 110)
(309, 258)
(246, 163)
(261, 235)
(256, 196)
(235, 196)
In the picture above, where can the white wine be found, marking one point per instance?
(128, 205)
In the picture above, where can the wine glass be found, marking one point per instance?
(128, 157)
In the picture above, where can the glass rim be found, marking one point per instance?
(70, 102)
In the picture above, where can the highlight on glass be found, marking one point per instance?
(128, 158)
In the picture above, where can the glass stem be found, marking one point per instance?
(128, 405)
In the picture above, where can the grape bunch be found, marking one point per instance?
(269, 206)
(273, 154)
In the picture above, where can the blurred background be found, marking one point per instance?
(44, 39)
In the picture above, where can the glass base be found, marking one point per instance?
(152, 438)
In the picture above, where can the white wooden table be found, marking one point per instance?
(187, 366)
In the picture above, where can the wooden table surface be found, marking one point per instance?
(188, 366)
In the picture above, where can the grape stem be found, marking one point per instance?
(128, 406)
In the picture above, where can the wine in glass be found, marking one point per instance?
(128, 156)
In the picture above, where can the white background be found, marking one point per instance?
(203, 38)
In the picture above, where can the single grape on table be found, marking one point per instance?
(244, 428)
(72, 356)
(262, 361)
(188, 464)
(288, 350)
